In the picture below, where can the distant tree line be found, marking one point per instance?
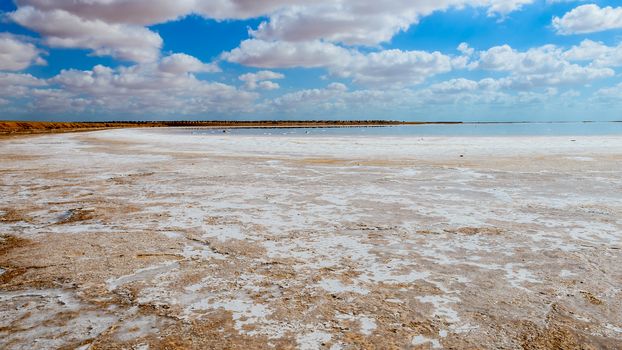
(11, 127)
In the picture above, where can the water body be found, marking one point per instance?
(466, 129)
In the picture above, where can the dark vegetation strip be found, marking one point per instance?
(31, 127)
(28, 127)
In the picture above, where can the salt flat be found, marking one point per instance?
(141, 239)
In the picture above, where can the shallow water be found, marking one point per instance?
(466, 129)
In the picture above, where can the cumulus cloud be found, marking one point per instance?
(152, 87)
(160, 88)
(149, 12)
(456, 98)
(243, 9)
(336, 97)
(541, 66)
(503, 7)
(138, 12)
(118, 27)
(181, 63)
(345, 22)
(17, 85)
(17, 54)
(386, 67)
(487, 91)
(597, 53)
(589, 19)
(394, 67)
(355, 22)
(262, 80)
(20, 79)
(609, 94)
(465, 91)
(280, 54)
(64, 29)
(460, 85)
(377, 103)
(343, 37)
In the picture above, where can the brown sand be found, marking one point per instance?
(124, 239)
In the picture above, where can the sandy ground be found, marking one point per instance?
(143, 239)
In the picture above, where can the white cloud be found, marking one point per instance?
(117, 27)
(610, 94)
(541, 59)
(503, 7)
(598, 54)
(351, 23)
(375, 103)
(464, 91)
(63, 29)
(324, 34)
(356, 22)
(243, 9)
(137, 12)
(280, 54)
(19, 79)
(16, 54)
(149, 88)
(541, 66)
(18, 86)
(336, 97)
(454, 86)
(182, 63)
(589, 19)
(457, 98)
(387, 67)
(56, 101)
(262, 80)
(465, 49)
(393, 67)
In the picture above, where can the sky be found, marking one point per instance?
(423, 60)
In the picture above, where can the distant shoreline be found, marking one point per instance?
(34, 127)
(10, 128)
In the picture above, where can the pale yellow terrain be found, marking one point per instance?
(155, 239)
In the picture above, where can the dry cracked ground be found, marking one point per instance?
(161, 239)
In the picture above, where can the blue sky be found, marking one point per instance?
(505, 60)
